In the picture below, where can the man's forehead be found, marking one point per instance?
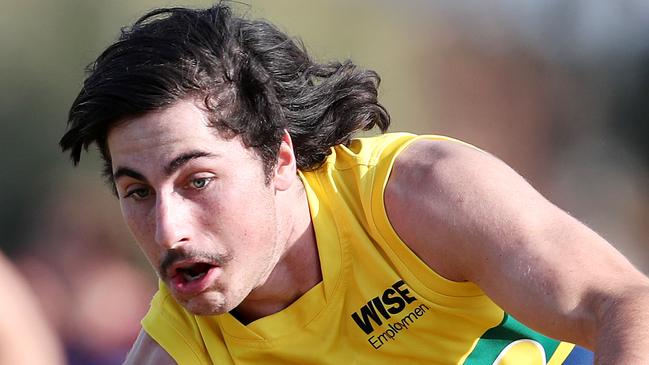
(182, 116)
(178, 128)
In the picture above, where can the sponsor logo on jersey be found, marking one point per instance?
(385, 312)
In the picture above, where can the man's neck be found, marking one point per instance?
(298, 269)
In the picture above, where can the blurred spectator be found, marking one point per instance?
(25, 335)
(80, 264)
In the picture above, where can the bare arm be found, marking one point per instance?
(25, 337)
(146, 351)
(494, 229)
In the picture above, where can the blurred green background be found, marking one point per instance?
(556, 89)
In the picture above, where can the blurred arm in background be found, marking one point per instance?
(25, 336)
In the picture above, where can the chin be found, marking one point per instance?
(205, 304)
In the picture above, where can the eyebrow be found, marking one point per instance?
(183, 158)
(125, 171)
(169, 169)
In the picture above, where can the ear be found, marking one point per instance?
(286, 168)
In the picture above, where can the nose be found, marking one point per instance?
(172, 226)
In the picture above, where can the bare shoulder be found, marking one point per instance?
(146, 351)
(446, 194)
(431, 184)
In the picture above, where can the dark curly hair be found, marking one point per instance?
(254, 80)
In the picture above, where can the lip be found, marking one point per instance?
(191, 288)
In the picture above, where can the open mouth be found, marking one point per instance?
(189, 278)
(190, 273)
(194, 271)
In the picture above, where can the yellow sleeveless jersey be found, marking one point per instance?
(378, 303)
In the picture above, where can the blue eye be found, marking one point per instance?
(201, 182)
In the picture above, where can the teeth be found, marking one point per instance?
(189, 277)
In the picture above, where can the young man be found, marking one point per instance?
(278, 238)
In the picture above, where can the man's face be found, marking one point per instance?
(197, 204)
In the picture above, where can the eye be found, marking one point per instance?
(200, 182)
(138, 193)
